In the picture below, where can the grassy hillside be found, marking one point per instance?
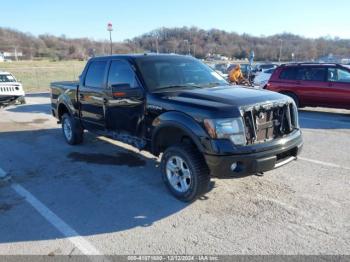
(37, 75)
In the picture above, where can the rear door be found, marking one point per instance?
(312, 86)
(284, 80)
(92, 95)
(339, 87)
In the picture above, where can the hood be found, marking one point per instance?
(225, 96)
(10, 84)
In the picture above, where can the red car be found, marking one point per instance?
(326, 85)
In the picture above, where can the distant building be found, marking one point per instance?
(216, 57)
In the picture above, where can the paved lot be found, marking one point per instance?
(103, 197)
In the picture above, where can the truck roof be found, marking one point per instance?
(133, 56)
(311, 64)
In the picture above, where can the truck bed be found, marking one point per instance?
(68, 88)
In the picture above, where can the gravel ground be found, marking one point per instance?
(110, 199)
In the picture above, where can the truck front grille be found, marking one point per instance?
(4, 89)
(267, 122)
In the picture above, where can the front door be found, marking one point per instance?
(125, 107)
(339, 87)
(92, 96)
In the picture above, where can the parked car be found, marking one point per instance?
(262, 78)
(11, 91)
(221, 69)
(178, 106)
(326, 85)
(261, 67)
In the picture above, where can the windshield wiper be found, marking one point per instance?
(214, 84)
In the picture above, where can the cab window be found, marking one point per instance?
(120, 72)
(95, 74)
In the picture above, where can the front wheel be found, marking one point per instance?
(185, 172)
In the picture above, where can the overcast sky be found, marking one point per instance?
(78, 18)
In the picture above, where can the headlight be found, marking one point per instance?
(230, 128)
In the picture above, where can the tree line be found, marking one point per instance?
(184, 40)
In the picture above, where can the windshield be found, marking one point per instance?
(7, 78)
(170, 72)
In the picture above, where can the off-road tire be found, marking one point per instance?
(196, 164)
(77, 134)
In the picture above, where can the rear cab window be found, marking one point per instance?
(95, 74)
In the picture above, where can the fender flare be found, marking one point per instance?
(65, 100)
(183, 122)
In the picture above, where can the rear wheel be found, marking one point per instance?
(72, 130)
(185, 172)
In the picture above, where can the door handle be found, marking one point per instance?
(81, 96)
(105, 100)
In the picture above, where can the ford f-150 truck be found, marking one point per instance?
(177, 107)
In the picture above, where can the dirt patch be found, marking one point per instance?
(40, 121)
(4, 207)
(35, 121)
(120, 159)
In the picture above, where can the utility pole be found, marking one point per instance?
(157, 44)
(251, 61)
(188, 46)
(110, 29)
(279, 59)
(16, 56)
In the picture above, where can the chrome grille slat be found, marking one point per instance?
(265, 123)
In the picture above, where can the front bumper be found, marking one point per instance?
(283, 152)
(12, 100)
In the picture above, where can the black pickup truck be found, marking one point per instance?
(178, 106)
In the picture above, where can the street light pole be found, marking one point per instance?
(157, 44)
(279, 59)
(188, 45)
(110, 29)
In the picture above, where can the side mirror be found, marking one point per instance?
(126, 91)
